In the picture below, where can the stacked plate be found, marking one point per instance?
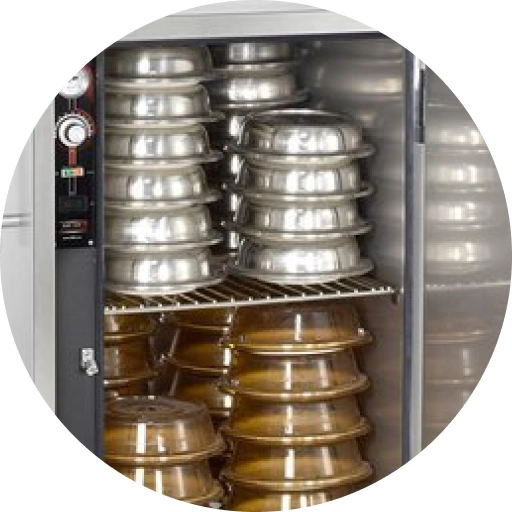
(163, 444)
(129, 365)
(158, 228)
(258, 75)
(299, 182)
(295, 419)
(200, 359)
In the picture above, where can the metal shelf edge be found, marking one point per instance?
(206, 298)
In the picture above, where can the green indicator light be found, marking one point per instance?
(71, 172)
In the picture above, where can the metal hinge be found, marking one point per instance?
(88, 362)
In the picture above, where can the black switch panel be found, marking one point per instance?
(76, 161)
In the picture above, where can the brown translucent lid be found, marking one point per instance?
(158, 429)
(295, 423)
(297, 467)
(254, 499)
(206, 317)
(290, 377)
(189, 481)
(298, 326)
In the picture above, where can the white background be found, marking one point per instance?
(43, 43)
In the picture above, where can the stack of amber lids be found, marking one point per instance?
(295, 419)
(201, 357)
(128, 362)
(163, 444)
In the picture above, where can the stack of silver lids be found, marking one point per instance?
(300, 182)
(158, 229)
(257, 75)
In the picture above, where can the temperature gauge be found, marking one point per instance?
(78, 85)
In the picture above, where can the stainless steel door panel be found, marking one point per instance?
(19, 198)
(16, 264)
(467, 271)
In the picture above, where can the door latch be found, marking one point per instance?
(88, 362)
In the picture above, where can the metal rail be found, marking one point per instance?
(240, 291)
(457, 287)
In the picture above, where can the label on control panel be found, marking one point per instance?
(72, 172)
(74, 226)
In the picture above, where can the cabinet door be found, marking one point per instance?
(16, 256)
(467, 257)
(16, 263)
(19, 198)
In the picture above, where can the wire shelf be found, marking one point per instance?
(240, 291)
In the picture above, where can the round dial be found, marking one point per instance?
(77, 86)
(73, 130)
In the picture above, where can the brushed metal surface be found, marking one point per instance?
(257, 90)
(468, 271)
(235, 19)
(169, 62)
(301, 136)
(167, 185)
(249, 52)
(45, 345)
(177, 144)
(366, 74)
(296, 222)
(300, 263)
(159, 273)
(177, 106)
(300, 181)
(454, 171)
(173, 227)
(365, 77)
(17, 257)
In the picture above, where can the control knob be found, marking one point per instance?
(74, 129)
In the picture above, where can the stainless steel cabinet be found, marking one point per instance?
(27, 258)
(463, 237)
(17, 256)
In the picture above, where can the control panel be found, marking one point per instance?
(76, 161)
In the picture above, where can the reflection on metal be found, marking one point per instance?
(15, 221)
(246, 20)
(460, 287)
(44, 259)
(467, 270)
(365, 78)
(414, 258)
